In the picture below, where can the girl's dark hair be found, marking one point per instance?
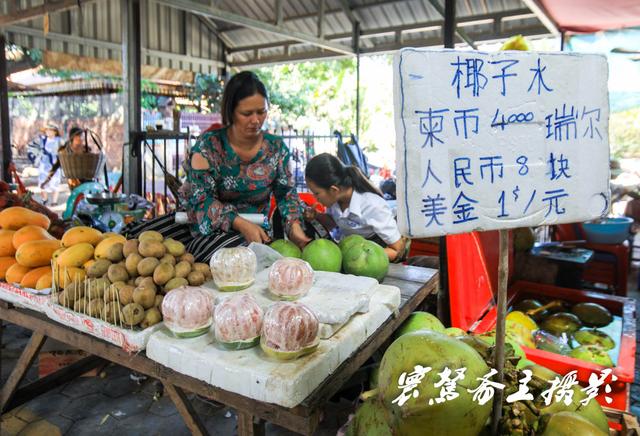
(326, 170)
(242, 85)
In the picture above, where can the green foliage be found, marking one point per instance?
(147, 98)
(624, 133)
(318, 90)
(207, 92)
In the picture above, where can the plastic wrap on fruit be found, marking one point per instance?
(554, 344)
(238, 321)
(234, 268)
(290, 278)
(289, 330)
(187, 311)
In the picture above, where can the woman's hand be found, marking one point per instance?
(298, 236)
(251, 232)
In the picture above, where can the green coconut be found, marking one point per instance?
(420, 321)
(371, 419)
(569, 424)
(454, 332)
(594, 337)
(592, 411)
(366, 259)
(461, 416)
(346, 242)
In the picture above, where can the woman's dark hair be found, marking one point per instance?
(242, 85)
(326, 170)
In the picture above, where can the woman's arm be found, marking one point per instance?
(287, 199)
(200, 192)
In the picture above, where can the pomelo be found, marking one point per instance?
(347, 242)
(323, 255)
(365, 258)
(420, 321)
(286, 248)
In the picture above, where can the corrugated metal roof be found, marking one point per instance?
(192, 35)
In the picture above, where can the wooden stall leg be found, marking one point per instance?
(188, 413)
(22, 366)
(247, 425)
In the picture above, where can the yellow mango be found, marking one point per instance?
(76, 235)
(66, 275)
(102, 249)
(76, 255)
(37, 253)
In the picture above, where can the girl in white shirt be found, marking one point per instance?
(353, 202)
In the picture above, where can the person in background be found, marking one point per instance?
(354, 203)
(75, 144)
(232, 171)
(51, 142)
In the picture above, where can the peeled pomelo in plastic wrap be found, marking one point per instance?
(187, 311)
(289, 331)
(234, 268)
(290, 278)
(238, 321)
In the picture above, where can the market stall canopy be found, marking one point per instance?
(207, 36)
(587, 16)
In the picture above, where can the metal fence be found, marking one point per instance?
(164, 153)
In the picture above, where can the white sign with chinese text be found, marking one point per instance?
(499, 140)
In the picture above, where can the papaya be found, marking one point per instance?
(65, 276)
(15, 273)
(44, 281)
(76, 255)
(76, 235)
(16, 217)
(102, 249)
(58, 252)
(30, 279)
(5, 263)
(6, 243)
(37, 253)
(30, 233)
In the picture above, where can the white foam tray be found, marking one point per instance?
(252, 374)
(25, 297)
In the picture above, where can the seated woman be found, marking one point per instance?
(234, 170)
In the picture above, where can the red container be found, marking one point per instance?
(473, 309)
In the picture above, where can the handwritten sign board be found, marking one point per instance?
(499, 140)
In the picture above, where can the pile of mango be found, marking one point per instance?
(122, 281)
(561, 328)
(26, 248)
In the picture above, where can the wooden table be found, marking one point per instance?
(415, 284)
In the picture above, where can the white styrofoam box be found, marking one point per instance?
(499, 140)
(334, 297)
(23, 297)
(252, 374)
(129, 340)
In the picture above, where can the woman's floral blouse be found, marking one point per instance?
(215, 196)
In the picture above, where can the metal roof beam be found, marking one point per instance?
(542, 16)
(348, 11)
(340, 10)
(37, 11)
(415, 27)
(83, 41)
(230, 17)
(461, 33)
(393, 46)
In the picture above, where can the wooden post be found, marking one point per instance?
(247, 425)
(186, 410)
(5, 124)
(22, 366)
(503, 278)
